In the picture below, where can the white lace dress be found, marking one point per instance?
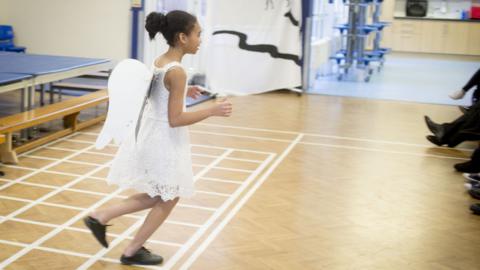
(159, 161)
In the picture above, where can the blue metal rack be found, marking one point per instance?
(353, 56)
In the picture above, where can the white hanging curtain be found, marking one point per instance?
(254, 45)
(248, 46)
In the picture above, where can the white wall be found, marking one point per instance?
(85, 28)
(3, 12)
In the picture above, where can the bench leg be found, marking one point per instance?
(42, 95)
(70, 121)
(7, 154)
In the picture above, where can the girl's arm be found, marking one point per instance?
(175, 80)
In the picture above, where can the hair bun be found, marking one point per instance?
(156, 22)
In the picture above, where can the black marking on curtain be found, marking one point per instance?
(264, 48)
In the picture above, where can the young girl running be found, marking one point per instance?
(158, 163)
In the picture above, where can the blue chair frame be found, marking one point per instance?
(6, 40)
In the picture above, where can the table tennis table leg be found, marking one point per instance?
(51, 90)
(24, 107)
(31, 104)
(24, 101)
(31, 97)
(42, 94)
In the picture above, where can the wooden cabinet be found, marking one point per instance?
(455, 36)
(407, 36)
(428, 36)
(431, 36)
(445, 37)
(473, 46)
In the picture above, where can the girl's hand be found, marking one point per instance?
(222, 108)
(194, 91)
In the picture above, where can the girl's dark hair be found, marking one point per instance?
(175, 22)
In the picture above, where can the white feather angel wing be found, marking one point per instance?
(128, 87)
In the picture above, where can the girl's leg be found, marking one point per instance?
(134, 203)
(154, 219)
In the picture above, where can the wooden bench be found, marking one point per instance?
(68, 110)
(97, 75)
(77, 86)
(66, 85)
(2, 141)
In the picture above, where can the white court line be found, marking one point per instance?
(13, 243)
(248, 128)
(78, 175)
(210, 209)
(137, 224)
(18, 167)
(83, 208)
(193, 154)
(70, 222)
(196, 145)
(366, 149)
(245, 160)
(61, 149)
(88, 231)
(39, 241)
(330, 136)
(56, 187)
(113, 155)
(65, 252)
(52, 250)
(382, 151)
(236, 149)
(52, 193)
(71, 161)
(40, 169)
(41, 203)
(343, 138)
(36, 149)
(178, 255)
(122, 196)
(239, 205)
(213, 193)
(221, 180)
(230, 169)
(54, 232)
(240, 136)
(97, 164)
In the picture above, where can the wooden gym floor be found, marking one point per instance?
(311, 182)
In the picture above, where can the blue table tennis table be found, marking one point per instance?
(25, 71)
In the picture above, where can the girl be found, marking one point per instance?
(158, 163)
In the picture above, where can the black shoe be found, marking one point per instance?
(143, 257)
(435, 128)
(475, 208)
(467, 167)
(2, 173)
(433, 139)
(475, 193)
(98, 230)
